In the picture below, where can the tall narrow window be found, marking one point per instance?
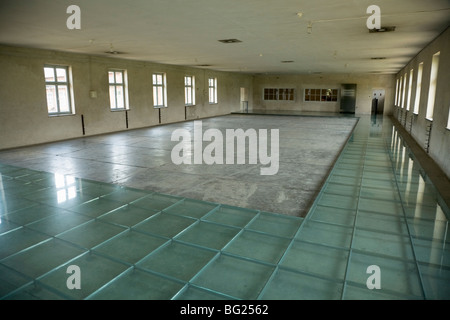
(400, 89)
(418, 88)
(408, 104)
(117, 90)
(396, 93)
(58, 89)
(159, 90)
(433, 83)
(404, 91)
(448, 121)
(212, 85)
(189, 91)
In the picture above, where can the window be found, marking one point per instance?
(117, 90)
(400, 89)
(58, 89)
(396, 93)
(321, 95)
(448, 121)
(404, 91)
(189, 91)
(433, 83)
(408, 105)
(159, 90)
(279, 94)
(418, 88)
(212, 85)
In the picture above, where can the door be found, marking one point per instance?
(348, 98)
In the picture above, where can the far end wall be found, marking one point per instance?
(366, 84)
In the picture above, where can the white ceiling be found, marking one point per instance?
(186, 32)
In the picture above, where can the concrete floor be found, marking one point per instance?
(142, 159)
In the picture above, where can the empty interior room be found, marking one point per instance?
(264, 150)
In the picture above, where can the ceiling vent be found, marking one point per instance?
(382, 29)
(204, 65)
(230, 41)
(287, 61)
(378, 58)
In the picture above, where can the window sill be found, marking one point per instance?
(56, 115)
(119, 110)
(159, 107)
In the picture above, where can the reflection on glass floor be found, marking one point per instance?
(377, 208)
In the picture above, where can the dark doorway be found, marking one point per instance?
(378, 102)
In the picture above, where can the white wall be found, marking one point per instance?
(24, 119)
(417, 124)
(366, 83)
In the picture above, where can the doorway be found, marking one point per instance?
(378, 96)
(244, 100)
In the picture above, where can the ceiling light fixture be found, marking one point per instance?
(382, 29)
(230, 41)
(112, 51)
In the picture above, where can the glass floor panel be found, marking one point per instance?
(376, 208)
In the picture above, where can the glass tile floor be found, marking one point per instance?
(377, 208)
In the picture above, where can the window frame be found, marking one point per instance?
(408, 102)
(124, 89)
(448, 121)
(57, 84)
(418, 88)
(405, 79)
(396, 92)
(163, 86)
(320, 93)
(212, 90)
(279, 94)
(434, 73)
(189, 91)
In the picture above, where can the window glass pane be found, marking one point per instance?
(188, 93)
(448, 122)
(61, 74)
(49, 74)
(418, 88)
(211, 95)
(112, 97)
(63, 94)
(119, 77)
(120, 97)
(433, 83)
(51, 99)
(155, 96)
(111, 77)
(160, 96)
